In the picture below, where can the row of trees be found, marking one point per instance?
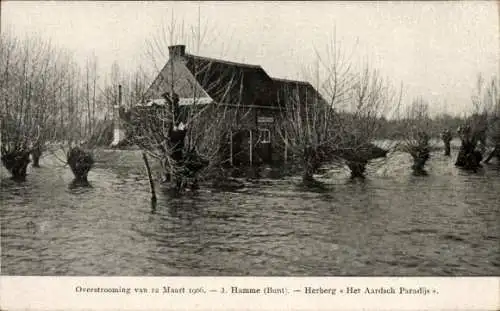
(49, 103)
(316, 131)
(482, 128)
(478, 133)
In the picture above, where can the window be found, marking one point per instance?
(264, 136)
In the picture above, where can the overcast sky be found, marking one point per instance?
(436, 49)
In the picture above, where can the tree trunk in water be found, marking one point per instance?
(80, 162)
(420, 157)
(150, 177)
(177, 144)
(309, 181)
(17, 163)
(36, 153)
(309, 166)
(420, 153)
(468, 157)
(307, 177)
(357, 168)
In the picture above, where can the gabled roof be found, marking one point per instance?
(231, 82)
(221, 81)
(294, 90)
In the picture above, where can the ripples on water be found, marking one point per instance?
(446, 223)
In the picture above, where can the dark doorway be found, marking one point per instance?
(264, 150)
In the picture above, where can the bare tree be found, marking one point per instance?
(188, 140)
(75, 117)
(473, 133)
(416, 139)
(372, 98)
(491, 101)
(31, 78)
(309, 122)
(308, 129)
(321, 129)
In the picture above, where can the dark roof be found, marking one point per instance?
(230, 82)
(227, 82)
(288, 90)
(290, 82)
(217, 60)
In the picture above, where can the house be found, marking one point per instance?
(292, 92)
(250, 101)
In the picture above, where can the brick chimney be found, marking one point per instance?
(175, 51)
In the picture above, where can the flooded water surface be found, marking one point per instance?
(446, 223)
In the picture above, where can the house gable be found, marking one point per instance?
(176, 77)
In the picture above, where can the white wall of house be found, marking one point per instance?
(118, 136)
(118, 130)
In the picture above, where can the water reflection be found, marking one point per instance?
(153, 203)
(184, 209)
(78, 183)
(391, 223)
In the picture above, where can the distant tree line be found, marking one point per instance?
(395, 128)
(50, 102)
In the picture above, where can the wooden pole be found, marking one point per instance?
(251, 148)
(150, 177)
(231, 147)
(120, 98)
(286, 147)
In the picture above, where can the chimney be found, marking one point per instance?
(175, 51)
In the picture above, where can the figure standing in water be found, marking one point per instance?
(446, 137)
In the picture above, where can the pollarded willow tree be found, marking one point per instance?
(415, 137)
(310, 122)
(74, 127)
(307, 127)
(78, 126)
(492, 99)
(188, 138)
(480, 127)
(372, 98)
(48, 103)
(320, 129)
(31, 77)
(186, 142)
